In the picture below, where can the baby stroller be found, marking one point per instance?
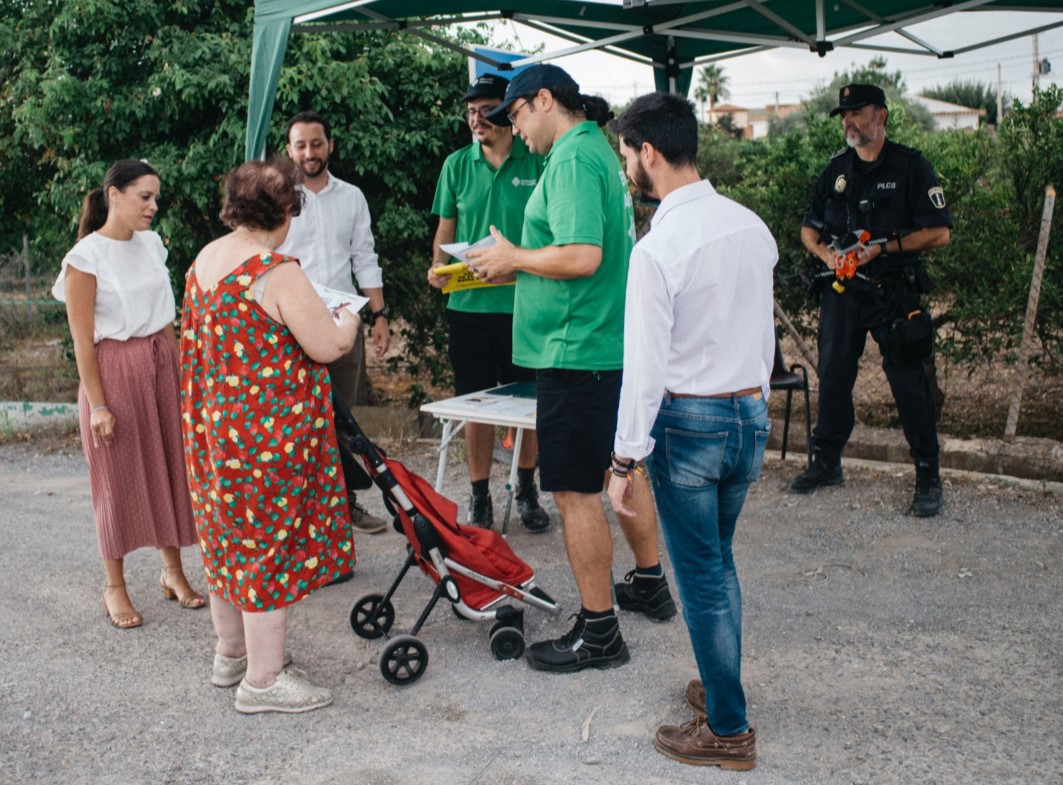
(474, 569)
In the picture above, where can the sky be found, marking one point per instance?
(793, 73)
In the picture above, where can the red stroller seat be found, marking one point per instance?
(473, 568)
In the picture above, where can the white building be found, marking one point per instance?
(949, 116)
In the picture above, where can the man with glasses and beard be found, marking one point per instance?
(890, 192)
(485, 184)
(333, 239)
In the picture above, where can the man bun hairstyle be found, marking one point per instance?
(593, 107)
(665, 120)
(94, 207)
(260, 194)
(308, 116)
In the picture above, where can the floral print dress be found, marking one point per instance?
(263, 464)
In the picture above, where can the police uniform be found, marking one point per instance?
(890, 197)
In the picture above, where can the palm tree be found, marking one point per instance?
(712, 86)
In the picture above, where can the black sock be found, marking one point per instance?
(480, 488)
(654, 572)
(525, 477)
(597, 616)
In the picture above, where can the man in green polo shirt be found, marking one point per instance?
(571, 276)
(486, 183)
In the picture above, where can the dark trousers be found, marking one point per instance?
(844, 322)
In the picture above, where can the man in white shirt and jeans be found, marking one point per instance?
(333, 239)
(699, 342)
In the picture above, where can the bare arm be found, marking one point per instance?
(379, 326)
(558, 262)
(445, 234)
(810, 239)
(80, 292)
(291, 300)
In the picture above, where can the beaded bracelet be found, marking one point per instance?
(99, 408)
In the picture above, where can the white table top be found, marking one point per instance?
(491, 407)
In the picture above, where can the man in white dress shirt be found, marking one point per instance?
(699, 343)
(333, 239)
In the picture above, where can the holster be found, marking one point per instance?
(909, 331)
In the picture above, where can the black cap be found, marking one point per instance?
(529, 82)
(854, 96)
(488, 86)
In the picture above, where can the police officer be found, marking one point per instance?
(888, 194)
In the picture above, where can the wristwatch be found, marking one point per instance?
(385, 312)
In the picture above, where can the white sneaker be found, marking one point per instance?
(229, 671)
(291, 693)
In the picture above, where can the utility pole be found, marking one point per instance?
(1036, 64)
(1000, 99)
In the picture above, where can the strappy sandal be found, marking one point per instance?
(190, 601)
(126, 620)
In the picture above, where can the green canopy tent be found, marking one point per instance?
(671, 36)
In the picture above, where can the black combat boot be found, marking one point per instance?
(927, 500)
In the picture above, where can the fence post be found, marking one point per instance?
(780, 314)
(1026, 347)
(26, 263)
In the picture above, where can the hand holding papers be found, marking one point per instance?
(461, 277)
(336, 301)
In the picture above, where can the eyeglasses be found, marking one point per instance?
(482, 111)
(512, 116)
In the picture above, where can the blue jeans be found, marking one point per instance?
(707, 452)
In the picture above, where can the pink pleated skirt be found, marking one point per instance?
(139, 489)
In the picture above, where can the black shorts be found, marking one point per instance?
(576, 422)
(481, 351)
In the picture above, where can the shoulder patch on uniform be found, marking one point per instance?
(937, 197)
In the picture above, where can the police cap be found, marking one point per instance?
(855, 96)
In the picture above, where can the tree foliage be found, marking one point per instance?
(89, 81)
(995, 184)
(973, 94)
(823, 99)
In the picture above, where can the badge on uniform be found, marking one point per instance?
(937, 197)
(839, 185)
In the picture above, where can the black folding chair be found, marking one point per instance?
(789, 379)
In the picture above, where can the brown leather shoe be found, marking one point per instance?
(696, 697)
(694, 742)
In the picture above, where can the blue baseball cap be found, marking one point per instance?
(529, 82)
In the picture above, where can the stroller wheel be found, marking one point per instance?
(403, 660)
(372, 616)
(507, 643)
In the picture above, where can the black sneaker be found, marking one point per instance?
(595, 644)
(532, 515)
(927, 500)
(648, 595)
(481, 512)
(819, 474)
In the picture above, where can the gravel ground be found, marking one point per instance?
(879, 648)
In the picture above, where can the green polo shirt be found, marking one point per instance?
(582, 197)
(478, 195)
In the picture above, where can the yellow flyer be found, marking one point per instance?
(462, 278)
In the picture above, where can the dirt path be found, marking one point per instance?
(877, 649)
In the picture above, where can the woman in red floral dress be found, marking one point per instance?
(263, 466)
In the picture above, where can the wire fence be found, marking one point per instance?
(36, 353)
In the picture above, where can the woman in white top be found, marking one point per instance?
(121, 309)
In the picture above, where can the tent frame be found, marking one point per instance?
(625, 29)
